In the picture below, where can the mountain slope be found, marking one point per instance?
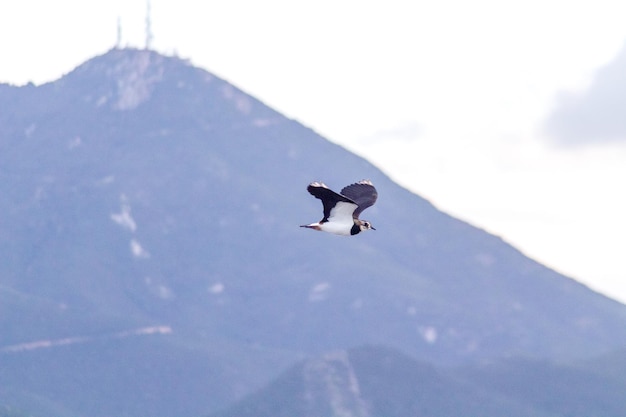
(140, 192)
(376, 381)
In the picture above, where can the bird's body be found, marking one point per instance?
(341, 211)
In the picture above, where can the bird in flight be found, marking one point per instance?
(341, 211)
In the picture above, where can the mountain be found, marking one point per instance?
(154, 265)
(364, 382)
(376, 381)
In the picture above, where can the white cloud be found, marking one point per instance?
(596, 114)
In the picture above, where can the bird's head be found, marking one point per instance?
(365, 225)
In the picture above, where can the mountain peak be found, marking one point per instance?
(125, 62)
(127, 77)
(136, 72)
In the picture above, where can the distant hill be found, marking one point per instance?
(375, 381)
(154, 265)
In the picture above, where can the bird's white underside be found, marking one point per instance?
(340, 220)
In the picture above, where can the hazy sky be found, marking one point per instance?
(508, 114)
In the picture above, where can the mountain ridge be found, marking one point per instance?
(370, 381)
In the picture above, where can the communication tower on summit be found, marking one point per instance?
(149, 35)
(118, 41)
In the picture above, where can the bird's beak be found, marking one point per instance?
(372, 227)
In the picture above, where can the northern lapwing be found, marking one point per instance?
(341, 211)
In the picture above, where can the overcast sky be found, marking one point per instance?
(508, 114)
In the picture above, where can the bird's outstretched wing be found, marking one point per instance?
(363, 193)
(329, 199)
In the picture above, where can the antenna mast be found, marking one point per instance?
(118, 43)
(148, 26)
